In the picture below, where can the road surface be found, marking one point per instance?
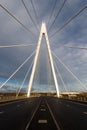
(43, 113)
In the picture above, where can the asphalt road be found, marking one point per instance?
(43, 119)
(15, 115)
(43, 113)
(71, 115)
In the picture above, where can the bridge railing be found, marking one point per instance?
(79, 97)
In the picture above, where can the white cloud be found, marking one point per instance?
(73, 34)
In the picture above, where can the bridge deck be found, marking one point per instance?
(43, 113)
(43, 118)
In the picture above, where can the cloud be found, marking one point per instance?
(75, 34)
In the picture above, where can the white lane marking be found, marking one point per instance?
(58, 128)
(42, 121)
(28, 124)
(43, 109)
(77, 103)
(1, 112)
(42, 105)
(60, 102)
(68, 105)
(18, 105)
(85, 113)
(11, 102)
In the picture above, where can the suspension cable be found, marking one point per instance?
(49, 70)
(69, 70)
(17, 69)
(16, 19)
(35, 13)
(72, 47)
(29, 13)
(57, 14)
(73, 17)
(19, 45)
(37, 72)
(60, 76)
(52, 11)
(24, 79)
(75, 47)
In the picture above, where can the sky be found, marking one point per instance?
(55, 13)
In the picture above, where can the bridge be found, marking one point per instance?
(43, 84)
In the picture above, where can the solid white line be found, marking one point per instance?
(58, 128)
(77, 103)
(27, 126)
(85, 113)
(11, 102)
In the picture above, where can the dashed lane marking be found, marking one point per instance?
(18, 105)
(43, 109)
(42, 105)
(28, 124)
(58, 128)
(68, 105)
(1, 112)
(42, 121)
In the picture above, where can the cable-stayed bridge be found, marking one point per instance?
(50, 72)
(40, 71)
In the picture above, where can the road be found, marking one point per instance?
(43, 113)
(15, 115)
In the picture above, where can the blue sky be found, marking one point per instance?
(74, 34)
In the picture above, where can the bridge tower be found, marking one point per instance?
(43, 32)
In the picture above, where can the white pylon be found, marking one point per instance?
(43, 32)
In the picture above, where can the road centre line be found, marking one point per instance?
(18, 105)
(68, 105)
(32, 116)
(53, 116)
